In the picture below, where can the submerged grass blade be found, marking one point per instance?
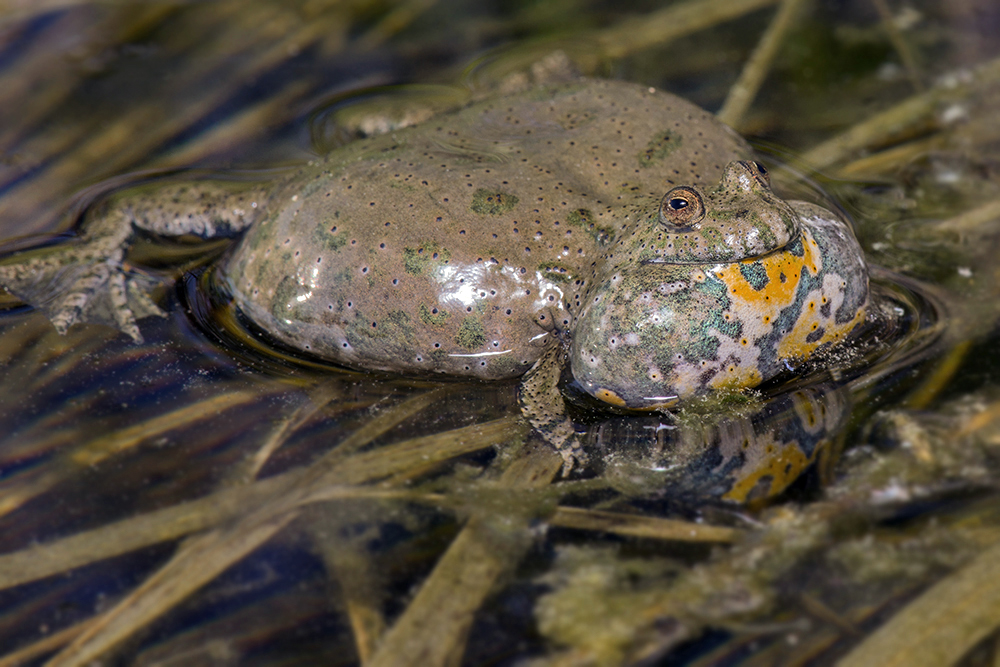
(193, 566)
(49, 644)
(174, 522)
(938, 628)
(745, 89)
(31, 486)
(209, 555)
(918, 111)
(636, 525)
(641, 32)
(434, 628)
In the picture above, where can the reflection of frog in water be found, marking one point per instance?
(609, 219)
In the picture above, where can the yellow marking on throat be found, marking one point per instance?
(609, 396)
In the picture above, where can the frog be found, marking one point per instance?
(605, 227)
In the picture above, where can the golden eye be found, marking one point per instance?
(681, 207)
(760, 172)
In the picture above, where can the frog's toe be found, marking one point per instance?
(123, 316)
(69, 291)
(573, 457)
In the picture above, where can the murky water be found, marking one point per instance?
(207, 498)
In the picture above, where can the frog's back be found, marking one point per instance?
(462, 244)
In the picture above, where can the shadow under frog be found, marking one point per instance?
(608, 221)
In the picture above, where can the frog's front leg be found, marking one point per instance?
(87, 279)
(543, 405)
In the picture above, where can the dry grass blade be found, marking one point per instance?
(938, 628)
(634, 525)
(209, 555)
(376, 427)
(745, 89)
(248, 469)
(979, 221)
(434, 628)
(119, 441)
(891, 159)
(899, 44)
(394, 22)
(281, 107)
(641, 32)
(919, 111)
(39, 81)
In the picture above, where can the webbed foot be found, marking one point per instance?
(82, 281)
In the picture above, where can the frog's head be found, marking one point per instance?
(660, 320)
(741, 217)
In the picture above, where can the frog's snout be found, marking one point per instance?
(745, 176)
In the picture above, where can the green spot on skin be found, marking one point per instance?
(584, 219)
(659, 147)
(506, 364)
(402, 186)
(427, 317)
(556, 272)
(394, 327)
(471, 334)
(485, 202)
(714, 242)
(284, 298)
(327, 239)
(767, 236)
(754, 274)
(796, 248)
(312, 186)
(416, 260)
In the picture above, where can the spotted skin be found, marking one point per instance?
(464, 245)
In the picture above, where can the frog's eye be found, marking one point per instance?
(760, 172)
(681, 207)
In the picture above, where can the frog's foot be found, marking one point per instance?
(568, 447)
(543, 405)
(81, 282)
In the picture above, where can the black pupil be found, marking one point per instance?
(677, 203)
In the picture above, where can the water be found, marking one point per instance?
(301, 510)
